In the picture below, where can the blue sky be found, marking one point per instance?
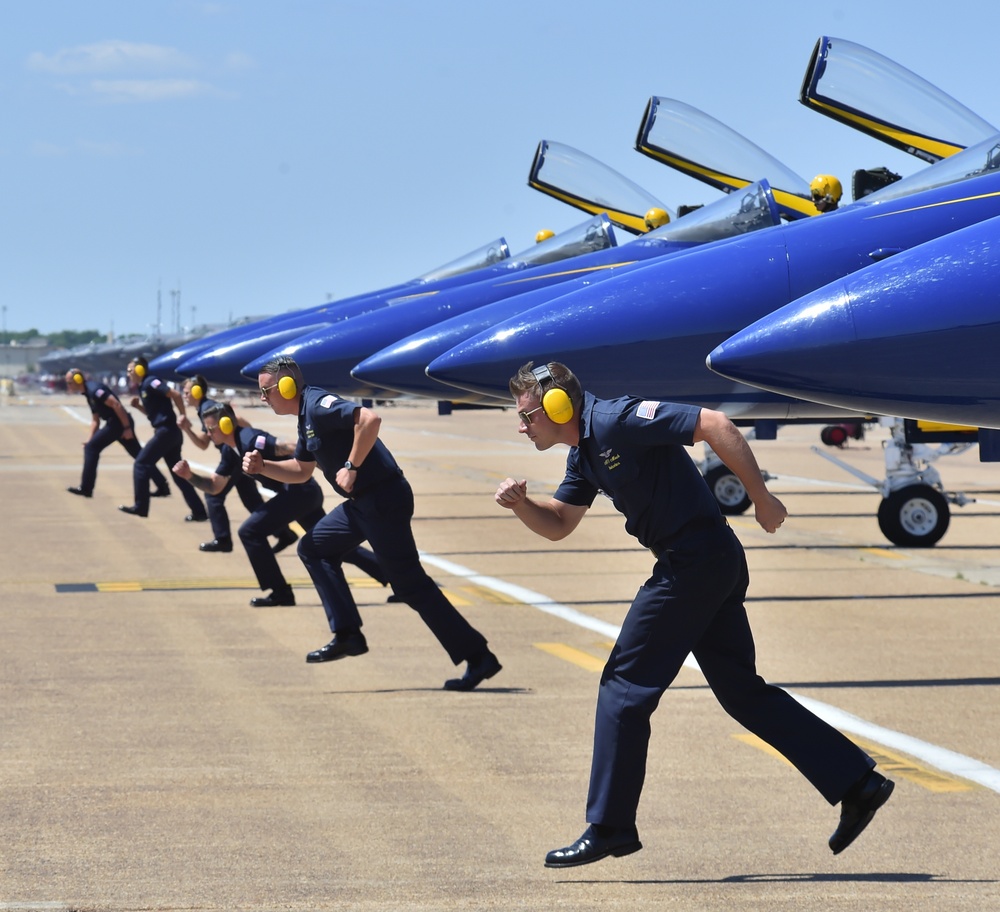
(260, 157)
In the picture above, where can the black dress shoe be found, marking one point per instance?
(342, 644)
(274, 600)
(79, 491)
(286, 537)
(859, 807)
(591, 847)
(191, 517)
(481, 667)
(217, 544)
(131, 510)
(164, 493)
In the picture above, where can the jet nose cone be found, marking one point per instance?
(798, 347)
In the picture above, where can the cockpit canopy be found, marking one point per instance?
(704, 148)
(863, 89)
(578, 179)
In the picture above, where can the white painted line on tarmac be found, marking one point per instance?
(939, 757)
(74, 413)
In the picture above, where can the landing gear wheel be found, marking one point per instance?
(728, 490)
(916, 516)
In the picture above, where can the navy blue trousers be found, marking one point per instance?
(166, 445)
(382, 516)
(218, 515)
(103, 437)
(299, 502)
(693, 603)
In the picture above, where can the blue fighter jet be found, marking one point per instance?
(650, 330)
(401, 365)
(221, 364)
(166, 365)
(329, 359)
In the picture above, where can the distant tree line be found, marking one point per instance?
(65, 338)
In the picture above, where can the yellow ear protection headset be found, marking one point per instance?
(556, 402)
(78, 378)
(287, 388)
(139, 369)
(225, 422)
(197, 391)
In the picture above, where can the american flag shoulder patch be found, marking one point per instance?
(647, 409)
(260, 441)
(327, 401)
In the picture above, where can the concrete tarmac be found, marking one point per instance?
(165, 746)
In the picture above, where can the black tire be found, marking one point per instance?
(727, 490)
(916, 516)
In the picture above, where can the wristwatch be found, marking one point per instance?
(350, 466)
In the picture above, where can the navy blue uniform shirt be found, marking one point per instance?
(632, 450)
(158, 405)
(247, 439)
(326, 435)
(97, 398)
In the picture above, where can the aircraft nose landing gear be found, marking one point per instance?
(914, 512)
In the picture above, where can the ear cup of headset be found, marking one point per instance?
(558, 406)
(287, 387)
(556, 402)
(226, 424)
(78, 378)
(140, 370)
(197, 393)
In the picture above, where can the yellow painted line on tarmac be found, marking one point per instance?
(931, 779)
(577, 656)
(361, 582)
(482, 594)
(899, 766)
(882, 552)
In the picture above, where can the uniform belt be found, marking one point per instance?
(690, 530)
(372, 488)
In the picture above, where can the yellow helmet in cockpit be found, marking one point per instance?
(826, 192)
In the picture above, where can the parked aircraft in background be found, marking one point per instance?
(109, 358)
(495, 252)
(330, 358)
(222, 364)
(651, 329)
(401, 365)
(647, 326)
